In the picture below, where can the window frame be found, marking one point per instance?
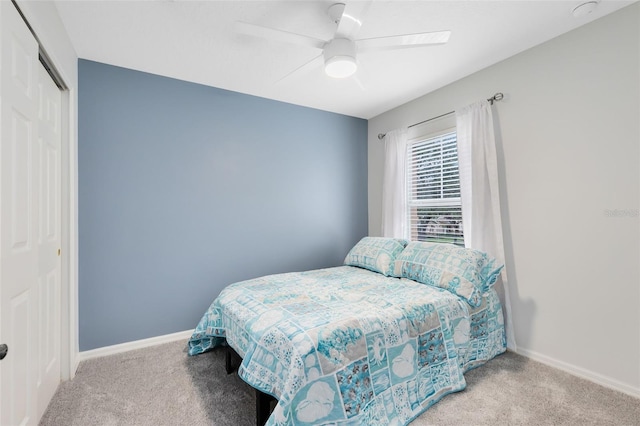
(412, 203)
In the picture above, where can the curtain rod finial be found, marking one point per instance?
(381, 135)
(497, 97)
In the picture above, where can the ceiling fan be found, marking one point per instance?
(339, 54)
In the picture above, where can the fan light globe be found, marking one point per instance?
(340, 66)
(340, 58)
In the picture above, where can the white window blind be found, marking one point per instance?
(433, 186)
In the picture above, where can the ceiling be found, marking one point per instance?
(195, 41)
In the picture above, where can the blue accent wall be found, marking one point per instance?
(184, 189)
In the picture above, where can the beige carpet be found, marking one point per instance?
(163, 386)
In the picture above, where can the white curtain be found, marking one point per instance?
(394, 197)
(481, 218)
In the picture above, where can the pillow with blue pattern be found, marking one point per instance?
(463, 271)
(376, 254)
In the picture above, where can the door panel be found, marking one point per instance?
(18, 252)
(22, 65)
(48, 239)
(21, 399)
(30, 225)
(21, 179)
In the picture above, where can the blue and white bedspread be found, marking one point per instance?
(346, 346)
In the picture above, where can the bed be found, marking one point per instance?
(376, 341)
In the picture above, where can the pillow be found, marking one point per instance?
(463, 271)
(376, 254)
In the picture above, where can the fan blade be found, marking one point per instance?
(304, 68)
(402, 41)
(358, 82)
(351, 20)
(278, 35)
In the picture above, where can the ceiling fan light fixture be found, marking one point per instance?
(340, 66)
(340, 58)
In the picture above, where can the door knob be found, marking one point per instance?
(3, 351)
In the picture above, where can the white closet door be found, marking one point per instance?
(29, 226)
(48, 238)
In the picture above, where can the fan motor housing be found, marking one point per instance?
(340, 57)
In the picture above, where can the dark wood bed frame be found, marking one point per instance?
(263, 401)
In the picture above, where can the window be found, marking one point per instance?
(433, 185)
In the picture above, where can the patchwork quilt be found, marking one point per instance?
(347, 346)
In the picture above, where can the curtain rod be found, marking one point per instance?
(497, 97)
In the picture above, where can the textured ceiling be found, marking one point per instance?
(196, 41)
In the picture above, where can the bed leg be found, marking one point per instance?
(263, 401)
(263, 407)
(231, 359)
(227, 360)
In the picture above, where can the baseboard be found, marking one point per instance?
(581, 372)
(136, 344)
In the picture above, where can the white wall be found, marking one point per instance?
(569, 140)
(44, 20)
